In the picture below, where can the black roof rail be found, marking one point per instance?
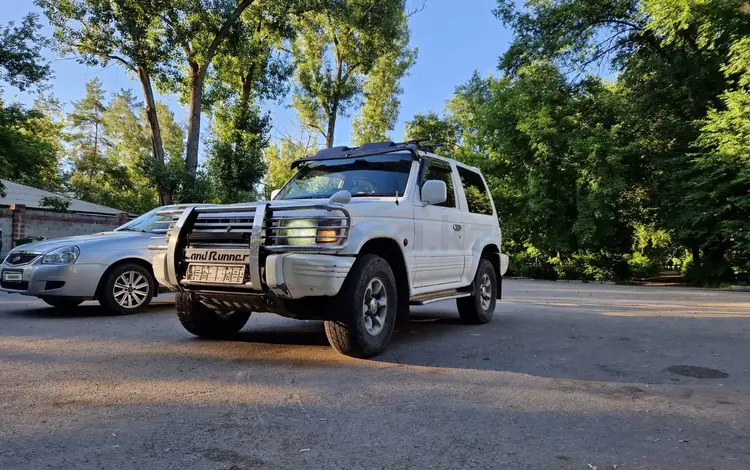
(372, 148)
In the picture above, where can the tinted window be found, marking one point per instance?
(435, 170)
(477, 196)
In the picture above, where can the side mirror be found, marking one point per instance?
(275, 193)
(434, 192)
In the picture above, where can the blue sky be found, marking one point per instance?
(454, 39)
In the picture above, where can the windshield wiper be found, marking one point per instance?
(130, 229)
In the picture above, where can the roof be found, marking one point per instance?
(414, 146)
(31, 197)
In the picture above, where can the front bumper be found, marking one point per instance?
(288, 275)
(72, 280)
(298, 275)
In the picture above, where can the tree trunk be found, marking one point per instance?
(153, 120)
(334, 105)
(241, 121)
(96, 139)
(331, 125)
(696, 256)
(198, 74)
(194, 118)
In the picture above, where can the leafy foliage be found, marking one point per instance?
(21, 61)
(334, 52)
(30, 146)
(381, 91)
(590, 177)
(279, 159)
(57, 203)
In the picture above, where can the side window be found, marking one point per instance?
(477, 196)
(434, 170)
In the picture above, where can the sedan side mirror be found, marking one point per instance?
(275, 193)
(434, 192)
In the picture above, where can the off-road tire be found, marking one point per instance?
(205, 322)
(348, 334)
(62, 302)
(470, 308)
(106, 294)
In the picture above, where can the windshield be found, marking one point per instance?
(375, 175)
(146, 222)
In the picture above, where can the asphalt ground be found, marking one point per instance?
(566, 376)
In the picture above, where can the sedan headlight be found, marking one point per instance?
(64, 255)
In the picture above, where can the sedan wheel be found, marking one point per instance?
(131, 289)
(127, 289)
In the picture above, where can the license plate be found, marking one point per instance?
(12, 276)
(216, 274)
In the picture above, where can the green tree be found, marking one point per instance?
(129, 33)
(250, 69)
(334, 52)
(29, 138)
(127, 130)
(95, 176)
(279, 159)
(30, 146)
(235, 163)
(200, 29)
(21, 61)
(443, 134)
(381, 91)
(86, 121)
(673, 60)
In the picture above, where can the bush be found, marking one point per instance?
(591, 266)
(642, 266)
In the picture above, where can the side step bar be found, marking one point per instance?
(431, 297)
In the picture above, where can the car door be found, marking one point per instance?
(479, 222)
(439, 238)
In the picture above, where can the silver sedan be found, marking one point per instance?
(111, 267)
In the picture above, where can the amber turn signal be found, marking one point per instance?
(327, 235)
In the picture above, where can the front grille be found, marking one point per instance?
(17, 259)
(222, 228)
(23, 285)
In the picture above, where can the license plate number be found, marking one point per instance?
(12, 276)
(216, 274)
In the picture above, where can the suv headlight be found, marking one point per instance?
(64, 255)
(306, 232)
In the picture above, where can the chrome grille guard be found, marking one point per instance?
(262, 228)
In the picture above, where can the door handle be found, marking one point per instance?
(457, 227)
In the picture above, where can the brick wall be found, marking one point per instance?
(6, 224)
(25, 222)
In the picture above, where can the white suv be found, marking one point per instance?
(354, 238)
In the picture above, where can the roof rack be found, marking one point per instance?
(372, 148)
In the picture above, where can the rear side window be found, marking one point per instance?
(477, 196)
(435, 170)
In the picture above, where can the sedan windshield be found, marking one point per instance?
(374, 175)
(146, 222)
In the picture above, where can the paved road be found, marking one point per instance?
(566, 376)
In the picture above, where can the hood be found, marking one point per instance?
(79, 240)
(369, 207)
